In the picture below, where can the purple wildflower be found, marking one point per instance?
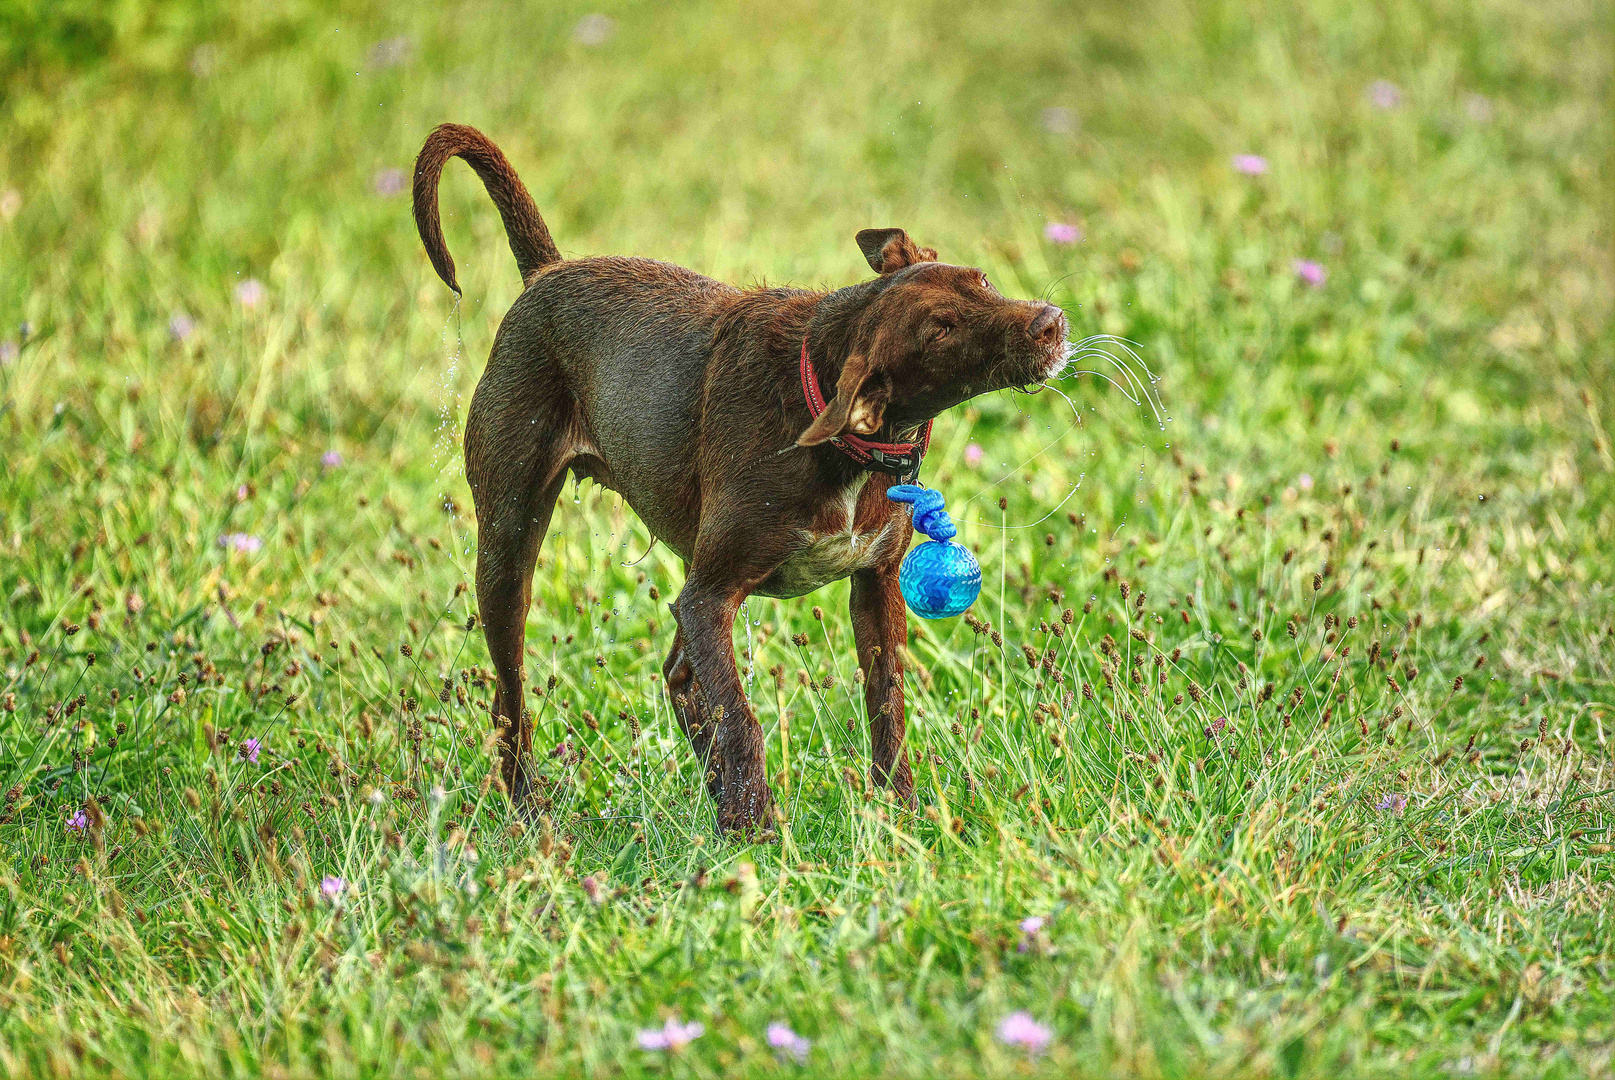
(1310, 272)
(672, 1035)
(1305, 481)
(79, 822)
(1394, 802)
(251, 293)
(1032, 924)
(389, 182)
(1384, 95)
(1058, 119)
(592, 889)
(1061, 232)
(331, 459)
(8, 351)
(249, 750)
(1250, 164)
(332, 887)
(973, 454)
(240, 541)
(594, 29)
(390, 52)
(1019, 1029)
(204, 59)
(785, 1041)
(181, 326)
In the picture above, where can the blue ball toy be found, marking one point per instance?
(940, 578)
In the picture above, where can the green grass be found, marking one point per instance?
(1411, 462)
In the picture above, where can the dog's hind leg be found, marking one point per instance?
(516, 459)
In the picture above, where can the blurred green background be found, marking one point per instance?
(1367, 250)
(161, 153)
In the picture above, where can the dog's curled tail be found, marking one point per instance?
(529, 238)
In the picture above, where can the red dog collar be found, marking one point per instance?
(896, 459)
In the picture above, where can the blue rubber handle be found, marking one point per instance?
(929, 516)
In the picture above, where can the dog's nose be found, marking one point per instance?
(1048, 326)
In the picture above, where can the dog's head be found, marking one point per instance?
(926, 336)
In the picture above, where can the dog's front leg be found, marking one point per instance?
(682, 691)
(880, 628)
(706, 615)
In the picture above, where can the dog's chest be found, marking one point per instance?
(835, 549)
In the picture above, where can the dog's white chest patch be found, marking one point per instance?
(827, 557)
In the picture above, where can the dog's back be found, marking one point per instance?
(623, 342)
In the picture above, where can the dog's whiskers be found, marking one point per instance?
(1141, 381)
(1076, 422)
(1135, 387)
(1126, 391)
(1129, 350)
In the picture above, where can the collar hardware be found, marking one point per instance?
(895, 459)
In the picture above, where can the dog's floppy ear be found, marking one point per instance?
(859, 404)
(890, 250)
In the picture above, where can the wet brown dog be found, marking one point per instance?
(680, 392)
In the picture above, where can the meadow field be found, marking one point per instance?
(1279, 742)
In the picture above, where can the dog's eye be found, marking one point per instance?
(985, 284)
(941, 333)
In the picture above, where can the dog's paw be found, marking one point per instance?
(754, 834)
(526, 798)
(904, 800)
(747, 811)
(899, 784)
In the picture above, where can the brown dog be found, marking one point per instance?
(680, 393)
